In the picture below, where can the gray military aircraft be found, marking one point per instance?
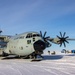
(31, 44)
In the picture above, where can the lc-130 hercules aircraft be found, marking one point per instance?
(31, 44)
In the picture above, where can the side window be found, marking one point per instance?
(28, 41)
(33, 39)
(28, 36)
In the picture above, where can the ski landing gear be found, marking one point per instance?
(36, 57)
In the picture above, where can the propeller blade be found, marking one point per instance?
(66, 41)
(41, 33)
(66, 37)
(44, 34)
(47, 37)
(60, 44)
(64, 44)
(64, 34)
(63, 39)
(60, 34)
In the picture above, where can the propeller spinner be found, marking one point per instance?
(63, 39)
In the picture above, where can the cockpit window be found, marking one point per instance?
(32, 35)
(38, 35)
(29, 35)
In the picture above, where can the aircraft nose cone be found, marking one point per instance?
(39, 45)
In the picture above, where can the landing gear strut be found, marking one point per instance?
(35, 56)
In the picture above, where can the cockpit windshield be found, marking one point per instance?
(32, 35)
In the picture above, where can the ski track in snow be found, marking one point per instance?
(63, 66)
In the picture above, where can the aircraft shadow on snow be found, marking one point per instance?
(52, 57)
(55, 57)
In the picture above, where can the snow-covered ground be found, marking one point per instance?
(50, 65)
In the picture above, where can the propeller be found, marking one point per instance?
(63, 39)
(45, 38)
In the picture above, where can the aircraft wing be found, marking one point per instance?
(62, 39)
(71, 39)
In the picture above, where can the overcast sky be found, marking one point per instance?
(53, 16)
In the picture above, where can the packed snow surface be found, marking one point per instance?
(50, 65)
